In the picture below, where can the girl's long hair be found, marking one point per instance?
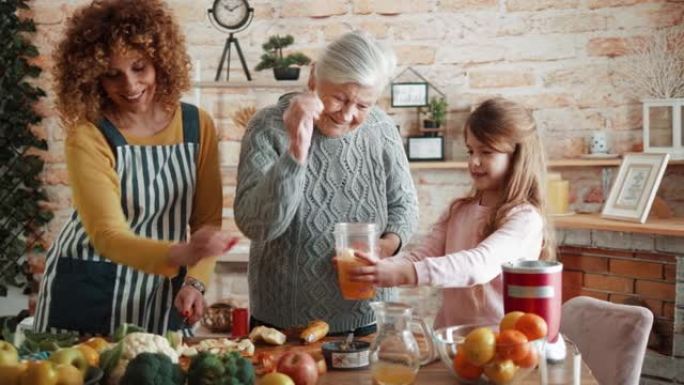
(506, 126)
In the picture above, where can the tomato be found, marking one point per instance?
(512, 345)
(501, 372)
(480, 346)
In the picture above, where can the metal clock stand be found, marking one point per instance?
(226, 51)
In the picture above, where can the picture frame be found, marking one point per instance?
(631, 195)
(414, 94)
(663, 123)
(424, 148)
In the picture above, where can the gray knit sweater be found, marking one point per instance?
(288, 210)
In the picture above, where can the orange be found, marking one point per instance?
(68, 375)
(501, 372)
(512, 345)
(480, 346)
(10, 374)
(509, 320)
(97, 343)
(465, 369)
(529, 361)
(91, 355)
(532, 326)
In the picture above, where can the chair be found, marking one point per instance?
(611, 337)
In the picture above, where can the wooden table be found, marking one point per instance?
(436, 373)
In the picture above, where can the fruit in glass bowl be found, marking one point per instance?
(490, 354)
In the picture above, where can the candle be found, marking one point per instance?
(557, 191)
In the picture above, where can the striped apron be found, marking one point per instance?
(84, 291)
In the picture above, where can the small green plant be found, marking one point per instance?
(274, 58)
(436, 111)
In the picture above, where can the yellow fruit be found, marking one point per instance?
(501, 372)
(276, 378)
(91, 355)
(39, 373)
(479, 346)
(68, 375)
(10, 373)
(97, 343)
(509, 320)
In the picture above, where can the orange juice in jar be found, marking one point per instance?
(351, 237)
(386, 373)
(350, 289)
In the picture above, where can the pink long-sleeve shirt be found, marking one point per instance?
(454, 256)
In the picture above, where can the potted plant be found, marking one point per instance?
(436, 112)
(282, 65)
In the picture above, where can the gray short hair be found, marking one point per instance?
(358, 58)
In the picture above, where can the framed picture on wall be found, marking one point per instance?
(424, 148)
(635, 187)
(409, 94)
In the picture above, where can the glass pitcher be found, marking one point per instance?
(394, 354)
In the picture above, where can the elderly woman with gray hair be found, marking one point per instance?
(315, 159)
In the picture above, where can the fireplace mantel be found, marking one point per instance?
(656, 226)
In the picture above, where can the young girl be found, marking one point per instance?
(502, 221)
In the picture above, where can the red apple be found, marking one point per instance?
(299, 366)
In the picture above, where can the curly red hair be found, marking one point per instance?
(94, 32)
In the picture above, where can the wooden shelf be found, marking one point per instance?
(670, 226)
(457, 165)
(281, 84)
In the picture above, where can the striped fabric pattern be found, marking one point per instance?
(157, 189)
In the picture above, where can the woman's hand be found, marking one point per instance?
(383, 272)
(205, 242)
(299, 119)
(190, 304)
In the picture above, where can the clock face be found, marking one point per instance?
(231, 14)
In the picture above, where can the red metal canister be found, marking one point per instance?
(240, 322)
(535, 287)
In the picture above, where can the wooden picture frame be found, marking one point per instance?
(409, 94)
(631, 195)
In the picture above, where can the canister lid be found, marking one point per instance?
(532, 267)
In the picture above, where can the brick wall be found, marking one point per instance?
(561, 58)
(626, 277)
(636, 269)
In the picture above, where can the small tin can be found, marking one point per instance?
(240, 322)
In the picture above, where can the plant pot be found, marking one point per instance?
(289, 73)
(430, 124)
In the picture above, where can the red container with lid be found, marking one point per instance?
(535, 287)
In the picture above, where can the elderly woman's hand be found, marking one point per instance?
(299, 120)
(383, 272)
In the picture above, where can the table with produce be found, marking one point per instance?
(303, 356)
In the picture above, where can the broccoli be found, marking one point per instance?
(240, 370)
(229, 369)
(206, 369)
(152, 369)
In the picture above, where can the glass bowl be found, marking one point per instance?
(511, 363)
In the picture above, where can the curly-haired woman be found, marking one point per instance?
(142, 166)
